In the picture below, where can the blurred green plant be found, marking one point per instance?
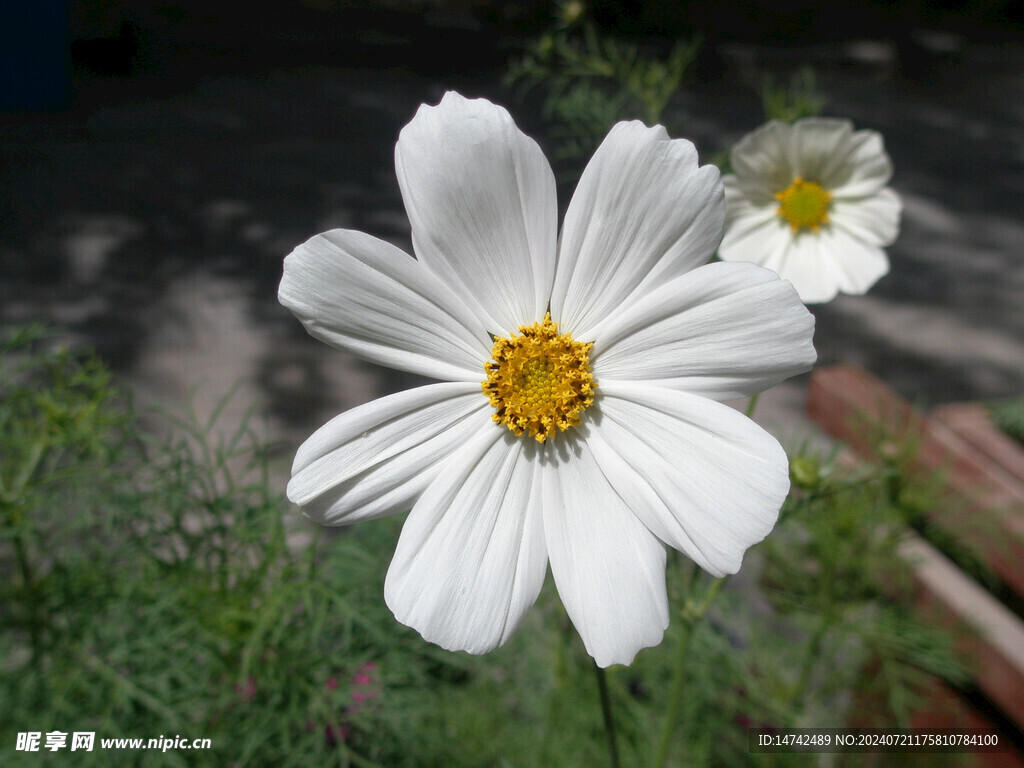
(591, 80)
(156, 590)
(1008, 416)
(581, 117)
(156, 584)
(833, 568)
(797, 99)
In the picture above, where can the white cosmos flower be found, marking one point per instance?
(809, 201)
(623, 447)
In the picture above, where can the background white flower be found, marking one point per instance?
(809, 201)
(654, 459)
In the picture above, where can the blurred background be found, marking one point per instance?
(158, 160)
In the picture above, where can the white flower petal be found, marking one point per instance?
(862, 169)
(642, 214)
(609, 569)
(471, 558)
(703, 477)
(363, 295)
(856, 265)
(808, 265)
(818, 149)
(763, 156)
(758, 235)
(821, 264)
(827, 151)
(723, 330)
(779, 245)
(481, 200)
(375, 459)
(875, 219)
(748, 199)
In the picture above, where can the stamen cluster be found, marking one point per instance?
(539, 381)
(804, 204)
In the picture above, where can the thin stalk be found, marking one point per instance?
(692, 615)
(24, 475)
(810, 657)
(675, 697)
(29, 586)
(752, 404)
(609, 719)
(820, 631)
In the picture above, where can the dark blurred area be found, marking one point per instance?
(47, 42)
(35, 65)
(159, 159)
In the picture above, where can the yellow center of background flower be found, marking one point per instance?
(804, 204)
(539, 381)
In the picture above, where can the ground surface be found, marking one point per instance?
(151, 219)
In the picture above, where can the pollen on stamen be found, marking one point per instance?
(804, 205)
(539, 382)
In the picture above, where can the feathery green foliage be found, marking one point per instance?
(591, 80)
(158, 585)
(798, 99)
(1009, 417)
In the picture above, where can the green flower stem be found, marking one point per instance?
(24, 475)
(692, 614)
(826, 599)
(29, 590)
(609, 720)
(810, 657)
(752, 404)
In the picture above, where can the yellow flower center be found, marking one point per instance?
(804, 204)
(539, 381)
